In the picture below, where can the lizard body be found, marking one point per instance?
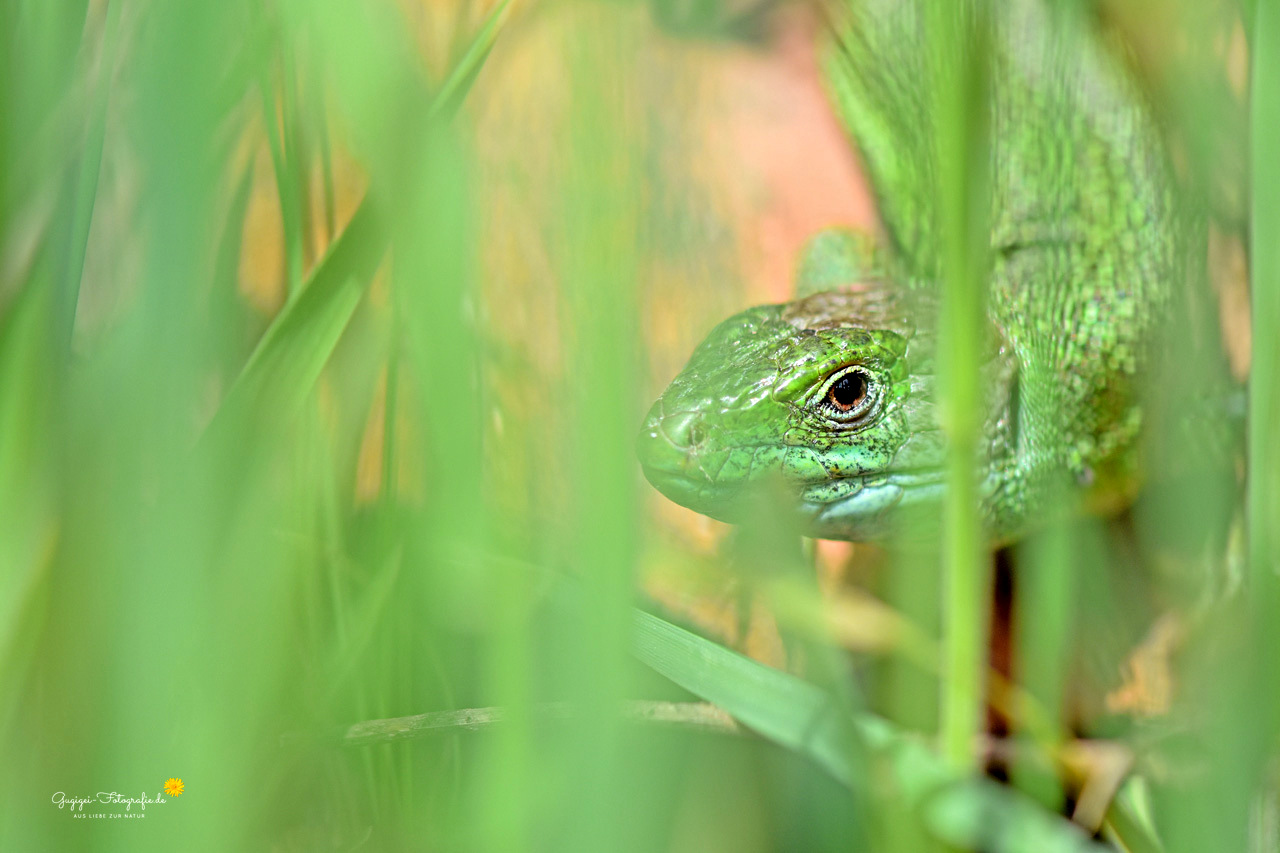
(834, 395)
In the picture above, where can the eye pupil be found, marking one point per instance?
(848, 391)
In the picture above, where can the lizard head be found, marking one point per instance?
(829, 398)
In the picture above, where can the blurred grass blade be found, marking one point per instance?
(288, 360)
(973, 813)
(86, 192)
(779, 706)
(1264, 395)
(301, 338)
(276, 115)
(463, 75)
(960, 37)
(28, 513)
(359, 625)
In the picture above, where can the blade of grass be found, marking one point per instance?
(460, 79)
(975, 813)
(86, 192)
(276, 112)
(296, 346)
(321, 129)
(960, 34)
(1264, 395)
(28, 519)
(288, 360)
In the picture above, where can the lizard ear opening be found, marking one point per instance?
(836, 257)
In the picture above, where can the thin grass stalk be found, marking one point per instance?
(275, 116)
(1264, 390)
(1042, 618)
(959, 36)
(86, 193)
(601, 234)
(1263, 511)
(326, 165)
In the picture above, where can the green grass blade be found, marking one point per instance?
(460, 79)
(86, 192)
(300, 340)
(793, 713)
(288, 360)
(1264, 389)
(959, 35)
(288, 180)
(778, 706)
(28, 512)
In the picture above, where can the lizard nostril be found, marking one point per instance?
(684, 429)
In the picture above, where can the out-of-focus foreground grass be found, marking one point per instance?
(320, 369)
(325, 330)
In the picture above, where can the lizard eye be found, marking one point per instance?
(847, 395)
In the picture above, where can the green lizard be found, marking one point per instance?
(834, 394)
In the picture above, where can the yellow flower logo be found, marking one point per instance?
(173, 787)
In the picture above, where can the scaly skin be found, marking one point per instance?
(1083, 258)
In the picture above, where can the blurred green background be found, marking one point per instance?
(325, 332)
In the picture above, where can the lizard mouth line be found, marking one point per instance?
(910, 478)
(700, 492)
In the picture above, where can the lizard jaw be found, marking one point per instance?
(863, 508)
(852, 508)
(696, 493)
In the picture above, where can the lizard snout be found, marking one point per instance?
(667, 442)
(683, 429)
